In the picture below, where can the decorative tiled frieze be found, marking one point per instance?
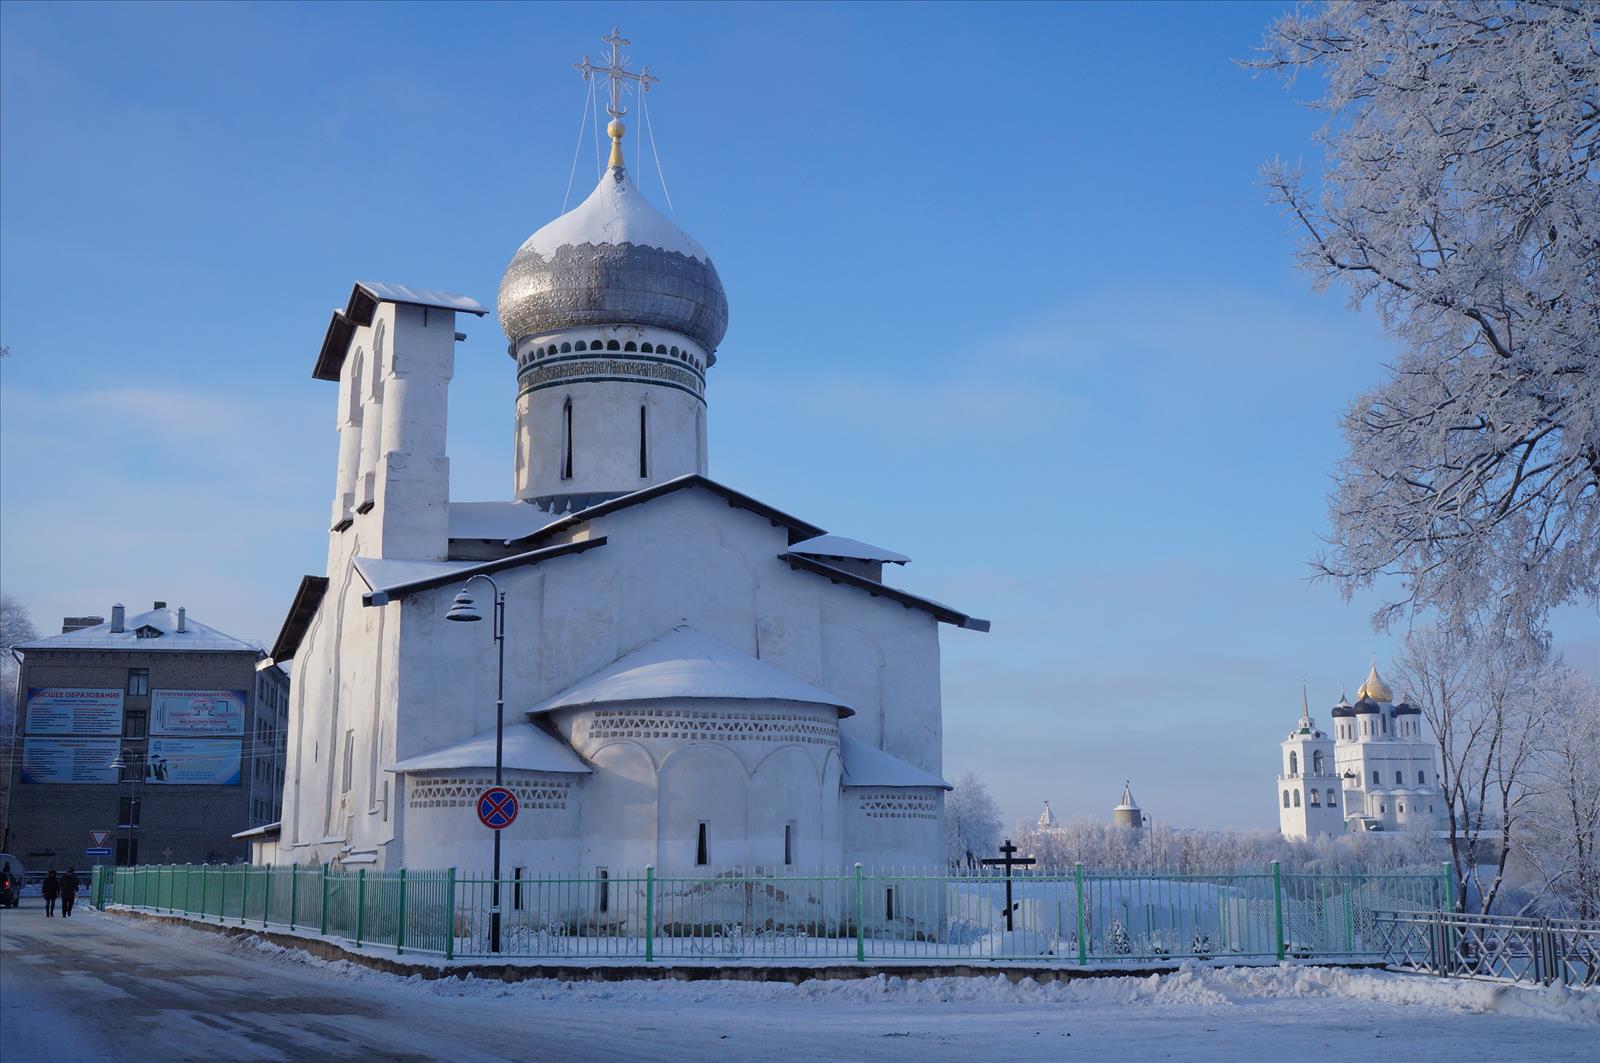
(692, 724)
(644, 370)
(897, 804)
(463, 791)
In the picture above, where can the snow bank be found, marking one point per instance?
(1191, 986)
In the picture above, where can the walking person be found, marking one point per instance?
(69, 891)
(51, 890)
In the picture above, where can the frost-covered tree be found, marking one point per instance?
(1562, 839)
(1488, 700)
(1460, 195)
(971, 822)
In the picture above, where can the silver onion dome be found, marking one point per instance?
(613, 260)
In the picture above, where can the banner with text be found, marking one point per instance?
(193, 762)
(197, 712)
(69, 760)
(73, 711)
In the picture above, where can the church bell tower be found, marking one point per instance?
(614, 315)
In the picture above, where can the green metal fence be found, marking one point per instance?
(1072, 916)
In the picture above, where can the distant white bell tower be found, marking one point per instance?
(1309, 790)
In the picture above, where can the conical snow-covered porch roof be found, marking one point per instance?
(687, 664)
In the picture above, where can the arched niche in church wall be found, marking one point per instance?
(853, 668)
(445, 674)
(685, 570)
(703, 786)
(619, 819)
(788, 806)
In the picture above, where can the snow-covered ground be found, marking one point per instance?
(101, 987)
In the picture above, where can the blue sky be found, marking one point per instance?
(1005, 296)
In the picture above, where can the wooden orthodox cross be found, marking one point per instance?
(1009, 860)
(617, 73)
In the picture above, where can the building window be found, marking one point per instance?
(1318, 763)
(1422, 778)
(127, 812)
(134, 722)
(788, 844)
(1399, 778)
(1333, 802)
(1375, 780)
(1297, 799)
(349, 759)
(1382, 808)
(644, 460)
(1402, 806)
(702, 855)
(1286, 799)
(566, 435)
(1294, 764)
(138, 682)
(604, 878)
(1311, 796)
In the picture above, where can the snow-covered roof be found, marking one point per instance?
(198, 636)
(383, 574)
(685, 663)
(526, 748)
(616, 212)
(266, 830)
(840, 546)
(395, 578)
(866, 765)
(496, 520)
(405, 293)
(1128, 803)
(939, 610)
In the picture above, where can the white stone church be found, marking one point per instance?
(1378, 771)
(693, 677)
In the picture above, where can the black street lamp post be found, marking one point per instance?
(465, 609)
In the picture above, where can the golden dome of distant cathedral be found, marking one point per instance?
(1375, 688)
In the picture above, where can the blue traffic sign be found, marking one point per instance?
(497, 808)
(97, 851)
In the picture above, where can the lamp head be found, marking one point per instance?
(119, 764)
(463, 609)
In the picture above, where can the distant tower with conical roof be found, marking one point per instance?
(1047, 819)
(1127, 813)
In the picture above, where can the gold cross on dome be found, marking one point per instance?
(617, 73)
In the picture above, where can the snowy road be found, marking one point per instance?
(97, 987)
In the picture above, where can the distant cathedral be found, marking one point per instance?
(1377, 772)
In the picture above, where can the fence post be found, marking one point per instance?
(450, 916)
(244, 893)
(649, 913)
(266, 900)
(400, 929)
(294, 892)
(861, 941)
(1277, 907)
(322, 922)
(361, 904)
(1083, 942)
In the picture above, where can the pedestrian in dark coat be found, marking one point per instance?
(51, 890)
(69, 891)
